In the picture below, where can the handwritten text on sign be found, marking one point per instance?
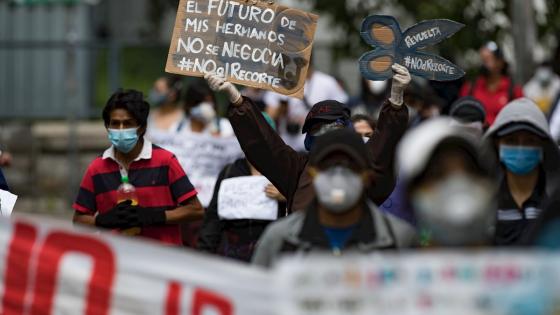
(261, 45)
(244, 198)
(203, 157)
(393, 46)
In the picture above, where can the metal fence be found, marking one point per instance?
(45, 67)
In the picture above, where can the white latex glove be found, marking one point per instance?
(401, 79)
(219, 84)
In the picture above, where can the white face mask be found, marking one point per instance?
(338, 189)
(458, 210)
(377, 87)
(203, 112)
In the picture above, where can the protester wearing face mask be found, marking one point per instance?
(469, 114)
(202, 119)
(165, 195)
(364, 125)
(202, 113)
(236, 238)
(290, 112)
(287, 169)
(494, 87)
(449, 185)
(167, 116)
(372, 96)
(341, 219)
(543, 88)
(529, 164)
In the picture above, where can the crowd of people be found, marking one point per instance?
(404, 164)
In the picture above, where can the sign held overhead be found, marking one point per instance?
(393, 46)
(253, 43)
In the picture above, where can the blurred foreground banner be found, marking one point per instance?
(52, 268)
(434, 283)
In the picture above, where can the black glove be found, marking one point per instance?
(138, 216)
(116, 218)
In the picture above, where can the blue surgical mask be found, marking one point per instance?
(124, 140)
(157, 98)
(520, 160)
(309, 140)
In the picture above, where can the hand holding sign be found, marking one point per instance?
(393, 46)
(245, 198)
(218, 84)
(401, 79)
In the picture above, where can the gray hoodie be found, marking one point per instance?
(524, 110)
(301, 233)
(514, 224)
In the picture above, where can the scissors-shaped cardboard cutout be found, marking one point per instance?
(393, 46)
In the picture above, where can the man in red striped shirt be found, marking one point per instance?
(165, 195)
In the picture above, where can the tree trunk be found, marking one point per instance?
(524, 33)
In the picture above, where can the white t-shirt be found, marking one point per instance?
(163, 137)
(319, 87)
(226, 130)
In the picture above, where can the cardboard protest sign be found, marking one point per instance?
(254, 43)
(244, 198)
(394, 46)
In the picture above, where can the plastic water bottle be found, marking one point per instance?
(127, 191)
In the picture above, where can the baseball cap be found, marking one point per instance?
(325, 111)
(346, 141)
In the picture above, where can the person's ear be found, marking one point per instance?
(141, 131)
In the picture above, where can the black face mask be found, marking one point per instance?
(293, 128)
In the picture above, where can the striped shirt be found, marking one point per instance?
(514, 223)
(160, 181)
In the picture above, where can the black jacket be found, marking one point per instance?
(231, 238)
(287, 169)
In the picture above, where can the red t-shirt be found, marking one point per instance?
(493, 101)
(161, 184)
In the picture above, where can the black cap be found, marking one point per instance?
(513, 127)
(342, 140)
(325, 111)
(468, 109)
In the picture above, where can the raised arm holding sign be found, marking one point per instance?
(287, 169)
(254, 43)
